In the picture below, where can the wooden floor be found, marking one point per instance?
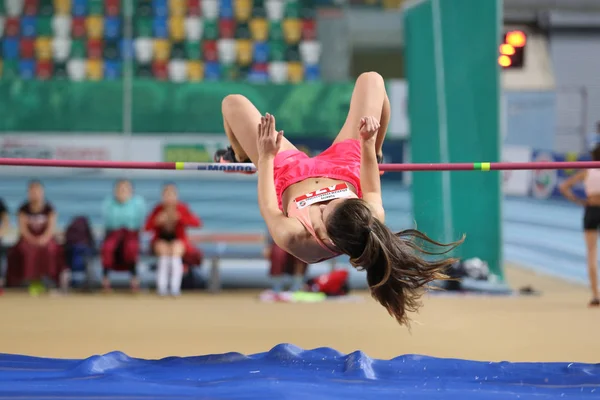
(556, 326)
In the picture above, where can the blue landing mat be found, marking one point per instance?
(288, 372)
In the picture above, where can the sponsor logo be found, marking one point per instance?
(229, 168)
(544, 181)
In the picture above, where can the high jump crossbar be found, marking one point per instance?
(242, 167)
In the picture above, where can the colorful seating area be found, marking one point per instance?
(171, 40)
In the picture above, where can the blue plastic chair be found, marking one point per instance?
(10, 49)
(258, 77)
(112, 27)
(261, 52)
(160, 27)
(160, 8)
(312, 73)
(226, 9)
(212, 71)
(79, 8)
(28, 27)
(126, 49)
(112, 70)
(27, 69)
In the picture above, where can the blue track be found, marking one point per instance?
(288, 372)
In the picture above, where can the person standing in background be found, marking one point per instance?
(284, 264)
(36, 256)
(123, 214)
(4, 225)
(168, 222)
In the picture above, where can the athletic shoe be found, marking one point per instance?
(594, 303)
(227, 156)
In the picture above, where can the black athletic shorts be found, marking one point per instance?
(591, 218)
(167, 236)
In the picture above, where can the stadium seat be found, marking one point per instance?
(28, 27)
(94, 26)
(96, 7)
(193, 28)
(61, 26)
(59, 70)
(242, 10)
(112, 70)
(61, 48)
(10, 69)
(177, 70)
(111, 50)
(43, 48)
(31, 7)
(143, 27)
(161, 50)
(210, 9)
(295, 72)
(94, 49)
(226, 28)
(46, 8)
(259, 29)
(62, 7)
(275, 9)
(259, 10)
(143, 49)
(292, 53)
(79, 9)
(211, 29)
(230, 72)
(261, 52)
(160, 27)
(227, 51)
(27, 48)
(292, 30)
(12, 27)
(27, 69)
(94, 70)
(195, 71)
(392, 4)
(113, 9)
(193, 8)
(10, 49)
(259, 74)
(78, 28)
(193, 50)
(160, 8)
(143, 9)
(112, 28)
(126, 49)
(278, 72)
(309, 29)
(277, 51)
(177, 28)
(242, 31)
(308, 13)
(312, 73)
(209, 50)
(212, 71)
(13, 8)
(226, 10)
(275, 30)
(178, 50)
(160, 70)
(310, 52)
(292, 9)
(43, 69)
(44, 26)
(78, 49)
(244, 52)
(177, 8)
(143, 70)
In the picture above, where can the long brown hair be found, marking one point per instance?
(397, 273)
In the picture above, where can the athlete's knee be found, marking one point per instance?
(232, 100)
(370, 78)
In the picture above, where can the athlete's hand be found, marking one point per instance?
(368, 128)
(269, 140)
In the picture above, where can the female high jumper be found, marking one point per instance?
(318, 208)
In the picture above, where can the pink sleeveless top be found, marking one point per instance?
(299, 208)
(591, 183)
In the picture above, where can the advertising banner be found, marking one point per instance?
(545, 183)
(516, 183)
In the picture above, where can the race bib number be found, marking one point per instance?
(339, 191)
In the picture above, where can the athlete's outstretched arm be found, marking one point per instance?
(370, 180)
(282, 229)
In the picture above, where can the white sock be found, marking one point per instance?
(176, 275)
(162, 275)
